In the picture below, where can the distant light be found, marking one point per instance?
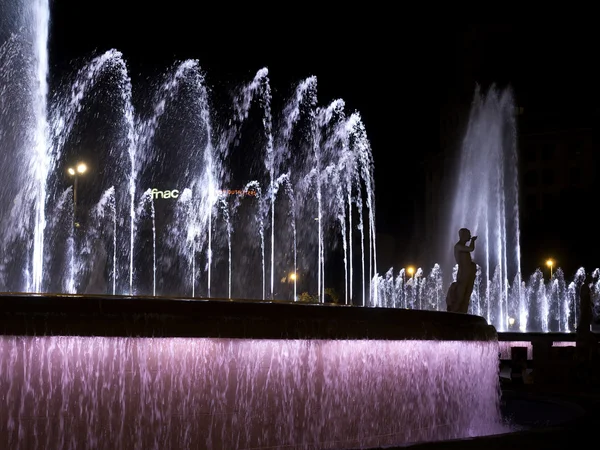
(293, 276)
(550, 263)
(81, 168)
(410, 270)
(71, 171)
(511, 321)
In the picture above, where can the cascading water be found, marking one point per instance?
(486, 194)
(147, 206)
(317, 153)
(40, 140)
(174, 169)
(26, 158)
(225, 393)
(306, 91)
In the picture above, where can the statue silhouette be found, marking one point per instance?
(459, 293)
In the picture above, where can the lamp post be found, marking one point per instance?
(75, 172)
(550, 264)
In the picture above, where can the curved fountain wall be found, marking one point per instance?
(93, 371)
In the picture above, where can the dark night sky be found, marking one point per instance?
(372, 70)
(392, 72)
(548, 66)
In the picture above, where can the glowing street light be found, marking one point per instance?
(410, 270)
(550, 263)
(511, 321)
(293, 276)
(79, 169)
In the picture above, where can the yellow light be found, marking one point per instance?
(81, 168)
(71, 171)
(410, 270)
(293, 276)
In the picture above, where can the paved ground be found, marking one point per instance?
(580, 429)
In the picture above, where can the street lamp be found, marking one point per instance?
(550, 263)
(75, 172)
(410, 270)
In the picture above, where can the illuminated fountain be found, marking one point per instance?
(309, 168)
(485, 200)
(221, 374)
(189, 201)
(192, 201)
(24, 135)
(548, 305)
(259, 194)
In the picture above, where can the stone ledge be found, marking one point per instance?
(79, 315)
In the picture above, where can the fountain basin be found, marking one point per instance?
(78, 315)
(127, 372)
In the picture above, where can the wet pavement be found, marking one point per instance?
(551, 417)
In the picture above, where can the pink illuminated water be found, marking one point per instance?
(179, 393)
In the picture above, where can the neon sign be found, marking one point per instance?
(174, 193)
(164, 194)
(250, 192)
